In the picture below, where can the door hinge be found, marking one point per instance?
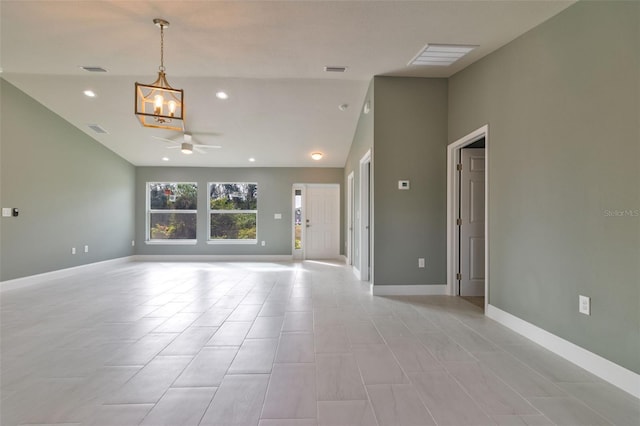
(458, 167)
(458, 221)
(458, 276)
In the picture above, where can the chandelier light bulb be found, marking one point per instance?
(172, 108)
(158, 100)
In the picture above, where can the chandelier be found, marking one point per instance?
(158, 104)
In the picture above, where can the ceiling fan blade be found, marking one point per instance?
(206, 134)
(198, 150)
(207, 146)
(164, 139)
(174, 147)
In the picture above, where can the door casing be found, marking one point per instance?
(453, 157)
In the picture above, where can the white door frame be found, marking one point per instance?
(453, 157)
(350, 229)
(366, 229)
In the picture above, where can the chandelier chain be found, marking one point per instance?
(161, 48)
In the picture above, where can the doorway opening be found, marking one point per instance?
(468, 217)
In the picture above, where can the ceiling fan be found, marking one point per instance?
(187, 146)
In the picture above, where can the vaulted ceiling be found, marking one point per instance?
(269, 56)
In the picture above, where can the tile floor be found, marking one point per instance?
(275, 344)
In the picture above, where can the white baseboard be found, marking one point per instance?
(356, 272)
(211, 258)
(60, 273)
(408, 290)
(615, 374)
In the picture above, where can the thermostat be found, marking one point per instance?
(403, 184)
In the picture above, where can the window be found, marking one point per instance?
(233, 212)
(172, 211)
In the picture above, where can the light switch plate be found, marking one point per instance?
(585, 305)
(277, 216)
(6, 212)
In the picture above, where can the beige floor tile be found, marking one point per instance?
(238, 401)
(291, 393)
(398, 405)
(338, 378)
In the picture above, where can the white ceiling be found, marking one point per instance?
(268, 55)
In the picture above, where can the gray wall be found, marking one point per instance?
(362, 142)
(274, 196)
(562, 104)
(410, 143)
(71, 192)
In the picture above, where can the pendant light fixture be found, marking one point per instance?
(158, 104)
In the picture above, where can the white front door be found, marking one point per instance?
(322, 222)
(472, 222)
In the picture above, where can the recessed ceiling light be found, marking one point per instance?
(165, 158)
(90, 93)
(316, 156)
(222, 95)
(252, 160)
(440, 54)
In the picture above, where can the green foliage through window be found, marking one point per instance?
(172, 211)
(233, 211)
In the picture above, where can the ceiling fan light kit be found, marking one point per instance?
(186, 148)
(158, 104)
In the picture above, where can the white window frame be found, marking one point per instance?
(214, 211)
(148, 239)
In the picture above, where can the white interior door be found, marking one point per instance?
(472, 222)
(322, 222)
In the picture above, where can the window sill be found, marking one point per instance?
(223, 242)
(171, 242)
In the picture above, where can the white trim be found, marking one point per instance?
(452, 204)
(350, 221)
(212, 258)
(409, 290)
(366, 266)
(60, 273)
(223, 241)
(176, 242)
(613, 373)
(357, 274)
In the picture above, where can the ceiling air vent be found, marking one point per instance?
(335, 69)
(94, 69)
(440, 54)
(96, 128)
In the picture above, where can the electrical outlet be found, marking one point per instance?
(86, 249)
(133, 243)
(585, 305)
(264, 243)
(73, 250)
(421, 262)
(6, 212)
